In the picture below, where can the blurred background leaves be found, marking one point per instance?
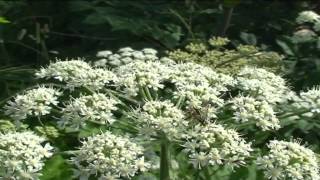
(33, 33)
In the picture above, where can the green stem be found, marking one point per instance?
(44, 127)
(292, 114)
(180, 101)
(164, 160)
(147, 92)
(44, 51)
(118, 94)
(207, 173)
(226, 20)
(143, 93)
(184, 22)
(244, 125)
(89, 90)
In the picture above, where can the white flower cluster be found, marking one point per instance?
(261, 112)
(262, 85)
(289, 160)
(199, 84)
(127, 55)
(196, 83)
(212, 144)
(191, 73)
(139, 74)
(22, 155)
(307, 17)
(304, 35)
(95, 108)
(77, 73)
(34, 102)
(107, 156)
(161, 116)
(308, 102)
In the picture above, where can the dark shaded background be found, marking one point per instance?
(39, 31)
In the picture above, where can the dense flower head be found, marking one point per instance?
(95, 79)
(96, 108)
(218, 41)
(212, 144)
(22, 155)
(304, 36)
(108, 156)
(196, 47)
(34, 102)
(248, 109)
(309, 101)
(160, 116)
(307, 17)
(64, 70)
(194, 97)
(191, 73)
(262, 85)
(199, 84)
(139, 74)
(289, 160)
(228, 60)
(77, 73)
(127, 55)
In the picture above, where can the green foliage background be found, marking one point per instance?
(34, 32)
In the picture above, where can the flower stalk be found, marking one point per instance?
(164, 159)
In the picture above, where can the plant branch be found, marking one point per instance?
(81, 36)
(164, 159)
(226, 20)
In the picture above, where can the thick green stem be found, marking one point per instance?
(164, 160)
(143, 94)
(180, 101)
(207, 173)
(226, 20)
(147, 92)
(117, 94)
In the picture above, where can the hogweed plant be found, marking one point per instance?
(301, 48)
(133, 115)
(225, 57)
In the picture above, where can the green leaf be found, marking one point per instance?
(56, 168)
(90, 130)
(285, 47)
(80, 5)
(95, 19)
(3, 20)
(246, 173)
(248, 38)
(210, 11)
